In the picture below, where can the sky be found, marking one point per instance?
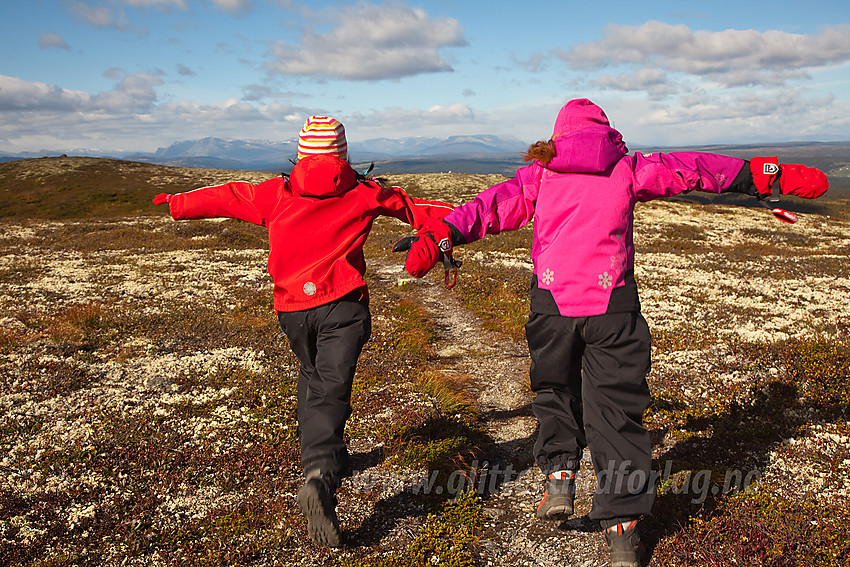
(137, 75)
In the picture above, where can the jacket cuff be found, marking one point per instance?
(457, 236)
(743, 183)
(174, 208)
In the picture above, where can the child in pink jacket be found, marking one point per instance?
(589, 343)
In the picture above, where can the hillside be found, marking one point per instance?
(147, 397)
(77, 187)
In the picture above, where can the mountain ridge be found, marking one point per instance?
(459, 154)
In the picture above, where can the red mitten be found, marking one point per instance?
(440, 232)
(802, 181)
(162, 198)
(794, 179)
(422, 256)
(424, 249)
(764, 170)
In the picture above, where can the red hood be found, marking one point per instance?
(322, 176)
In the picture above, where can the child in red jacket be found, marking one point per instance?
(318, 220)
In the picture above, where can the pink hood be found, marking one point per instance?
(582, 244)
(584, 141)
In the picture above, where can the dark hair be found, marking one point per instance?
(540, 151)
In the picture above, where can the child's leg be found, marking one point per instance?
(328, 341)
(556, 351)
(616, 362)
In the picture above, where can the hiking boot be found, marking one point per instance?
(559, 494)
(317, 502)
(624, 543)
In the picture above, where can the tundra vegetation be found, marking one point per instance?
(147, 397)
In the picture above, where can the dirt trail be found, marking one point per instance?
(497, 370)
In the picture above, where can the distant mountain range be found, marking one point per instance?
(458, 154)
(254, 155)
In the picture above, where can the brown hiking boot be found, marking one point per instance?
(559, 493)
(624, 543)
(317, 502)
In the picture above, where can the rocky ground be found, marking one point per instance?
(147, 401)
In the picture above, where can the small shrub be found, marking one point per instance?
(762, 529)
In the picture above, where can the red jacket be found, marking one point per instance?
(318, 221)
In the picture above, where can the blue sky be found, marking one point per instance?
(135, 75)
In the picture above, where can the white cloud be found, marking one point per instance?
(653, 81)
(370, 42)
(749, 117)
(112, 15)
(99, 16)
(51, 40)
(114, 73)
(129, 116)
(132, 94)
(234, 6)
(19, 95)
(731, 57)
(396, 122)
(230, 6)
(161, 4)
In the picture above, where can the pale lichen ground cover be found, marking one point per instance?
(711, 277)
(147, 402)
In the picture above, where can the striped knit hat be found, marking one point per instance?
(322, 135)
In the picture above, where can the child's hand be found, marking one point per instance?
(794, 179)
(162, 198)
(432, 241)
(422, 253)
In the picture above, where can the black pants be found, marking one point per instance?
(589, 377)
(328, 341)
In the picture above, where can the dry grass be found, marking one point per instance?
(147, 413)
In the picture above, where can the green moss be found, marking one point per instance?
(498, 294)
(448, 538)
(244, 535)
(21, 426)
(820, 369)
(413, 333)
(445, 441)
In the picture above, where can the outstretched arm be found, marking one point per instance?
(239, 200)
(433, 239)
(663, 175)
(506, 206)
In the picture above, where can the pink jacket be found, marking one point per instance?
(583, 205)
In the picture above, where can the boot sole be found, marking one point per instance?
(322, 524)
(555, 512)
